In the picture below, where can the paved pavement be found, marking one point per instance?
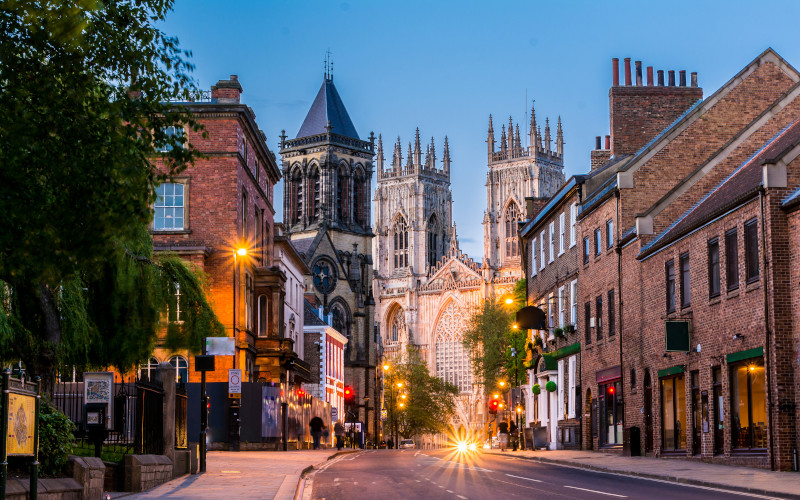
(443, 474)
(744, 479)
(242, 475)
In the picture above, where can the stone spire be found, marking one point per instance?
(547, 133)
(539, 137)
(397, 159)
(417, 151)
(432, 155)
(446, 158)
(490, 139)
(510, 136)
(532, 136)
(379, 155)
(454, 250)
(517, 143)
(559, 139)
(503, 139)
(410, 162)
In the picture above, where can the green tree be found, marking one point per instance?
(85, 137)
(497, 348)
(428, 405)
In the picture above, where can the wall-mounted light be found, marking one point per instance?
(738, 336)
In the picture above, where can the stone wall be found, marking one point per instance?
(90, 472)
(63, 488)
(143, 472)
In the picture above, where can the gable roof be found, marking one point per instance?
(327, 107)
(740, 185)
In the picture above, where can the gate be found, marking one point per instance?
(181, 439)
(149, 414)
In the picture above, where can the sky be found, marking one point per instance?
(444, 66)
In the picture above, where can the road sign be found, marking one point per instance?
(334, 414)
(235, 383)
(221, 346)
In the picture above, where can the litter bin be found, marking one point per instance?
(631, 442)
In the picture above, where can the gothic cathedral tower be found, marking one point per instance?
(327, 172)
(515, 173)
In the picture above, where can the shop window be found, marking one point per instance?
(611, 412)
(748, 405)
(673, 413)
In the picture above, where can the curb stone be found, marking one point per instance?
(298, 492)
(663, 477)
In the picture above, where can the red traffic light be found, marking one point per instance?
(494, 404)
(301, 392)
(347, 391)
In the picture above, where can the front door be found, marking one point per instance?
(697, 430)
(648, 413)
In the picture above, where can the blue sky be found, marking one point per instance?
(445, 66)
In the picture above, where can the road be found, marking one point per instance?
(444, 474)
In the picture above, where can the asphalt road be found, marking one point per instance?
(444, 474)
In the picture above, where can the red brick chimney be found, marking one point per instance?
(227, 91)
(638, 113)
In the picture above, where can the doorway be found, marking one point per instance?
(589, 424)
(648, 412)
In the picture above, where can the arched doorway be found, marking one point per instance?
(648, 412)
(589, 425)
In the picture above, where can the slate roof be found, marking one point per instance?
(310, 317)
(740, 184)
(302, 245)
(327, 106)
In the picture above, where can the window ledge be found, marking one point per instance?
(170, 231)
(752, 286)
(733, 293)
(714, 300)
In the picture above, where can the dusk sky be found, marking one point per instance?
(445, 66)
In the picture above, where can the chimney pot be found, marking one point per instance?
(627, 71)
(638, 73)
(694, 79)
(615, 71)
(661, 78)
(671, 78)
(649, 76)
(608, 142)
(683, 77)
(597, 142)
(234, 77)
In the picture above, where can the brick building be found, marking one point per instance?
(325, 354)
(223, 202)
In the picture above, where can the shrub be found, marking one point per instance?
(536, 389)
(550, 386)
(55, 438)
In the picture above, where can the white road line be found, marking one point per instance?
(449, 491)
(462, 498)
(526, 478)
(595, 491)
(440, 486)
(337, 479)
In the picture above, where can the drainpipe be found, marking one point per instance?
(618, 250)
(767, 358)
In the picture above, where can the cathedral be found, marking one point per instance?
(426, 287)
(327, 172)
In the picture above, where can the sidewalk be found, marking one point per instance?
(744, 479)
(241, 475)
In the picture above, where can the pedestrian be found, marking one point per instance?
(514, 437)
(502, 434)
(338, 431)
(316, 424)
(390, 443)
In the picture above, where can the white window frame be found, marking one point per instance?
(552, 230)
(609, 233)
(541, 246)
(171, 132)
(161, 203)
(561, 307)
(533, 257)
(573, 289)
(551, 317)
(572, 386)
(560, 389)
(573, 217)
(561, 230)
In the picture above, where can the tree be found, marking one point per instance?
(428, 405)
(496, 347)
(85, 137)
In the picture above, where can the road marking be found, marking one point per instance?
(440, 486)
(598, 492)
(526, 478)
(231, 472)
(417, 480)
(449, 491)
(337, 479)
(462, 498)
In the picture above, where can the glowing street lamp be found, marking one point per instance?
(509, 301)
(400, 385)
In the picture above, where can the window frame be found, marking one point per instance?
(752, 268)
(732, 259)
(552, 240)
(573, 289)
(686, 280)
(609, 234)
(184, 183)
(612, 330)
(561, 232)
(587, 250)
(587, 316)
(573, 219)
(714, 283)
(598, 242)
(671, 299)
(598, 321)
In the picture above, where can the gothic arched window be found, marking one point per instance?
(397, 325)
(342, 194)
(296, 195)
(433, 241)
(400, 243)
(512, 216)
(341, 321)
(452, 358)
(360, 202)
(313, 199)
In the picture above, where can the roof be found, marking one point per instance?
(327, 107)
(735, 188)
(310, 317)
(302, 245)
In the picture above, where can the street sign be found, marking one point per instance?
(334, 414)
(235, 383)
(221, 346)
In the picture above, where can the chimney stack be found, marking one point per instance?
(608, 142)
(627, 71)
(683, 77)
(638, 73)
(671, 78)
(597, 142)
(694, 79)
(661, 78)
(615, 71)
(649, 76)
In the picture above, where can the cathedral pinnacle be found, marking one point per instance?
(454, 250)
(446, 158)
(490, 138)
(379, 154)
(432, 155)
(397, 159)
(503, 138)
(417, 151)
(410, 163)
(559, 139)
(517, 142)
(547, 133)
(510, 135)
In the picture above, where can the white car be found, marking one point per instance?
(406, 443)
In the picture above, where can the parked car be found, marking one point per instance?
(406, 443)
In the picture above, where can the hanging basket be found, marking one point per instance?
(536, 389)
(550, 386)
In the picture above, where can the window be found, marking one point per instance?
(169, 213)
(573, 217)
(669, 267)
(248, 302)
(561, 304)
(400, 243)
(561, 230)
(313, 199)
(610, 233)
(598, 302)
(713, 267)
(552, 240)
(452, 358)
(433, 241)
(342, 195)
(512, 217)
(673, 413)
(150, 369)
(719, 415)
(573, 383)
(244, 151)
(551, 312)
(632, 378)
(398, 325)
(534, 249)
(256, 171)
(686, 291)
(732, 259)
(182, 369)
(586, 250)
(612, 329)
(176, 313)
(751, 250)
(587, 321)
(257, 235)
(611, 412)
(244, 215)
(296, 195)
(541, 248)
(360, 201)
(748, 404)
(261, 328)
(573, 294)
(173, 136)
(598, 244)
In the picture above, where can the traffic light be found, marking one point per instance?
(349, 395)
(494, 404)
(301, 392)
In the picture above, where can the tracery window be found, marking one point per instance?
(398, 325)
(360, 203)
(342, 195)
(296, 195)
(433, 241)
(313, 184)
(452, 359)
(341, 319)
(400, 243)
(512, 216)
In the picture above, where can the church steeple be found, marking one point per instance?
(327, 109)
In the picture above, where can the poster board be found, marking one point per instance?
(20, 439)
(98, 387)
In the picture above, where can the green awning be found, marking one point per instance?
(666, 372)
(750, 353)
(551, 358)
